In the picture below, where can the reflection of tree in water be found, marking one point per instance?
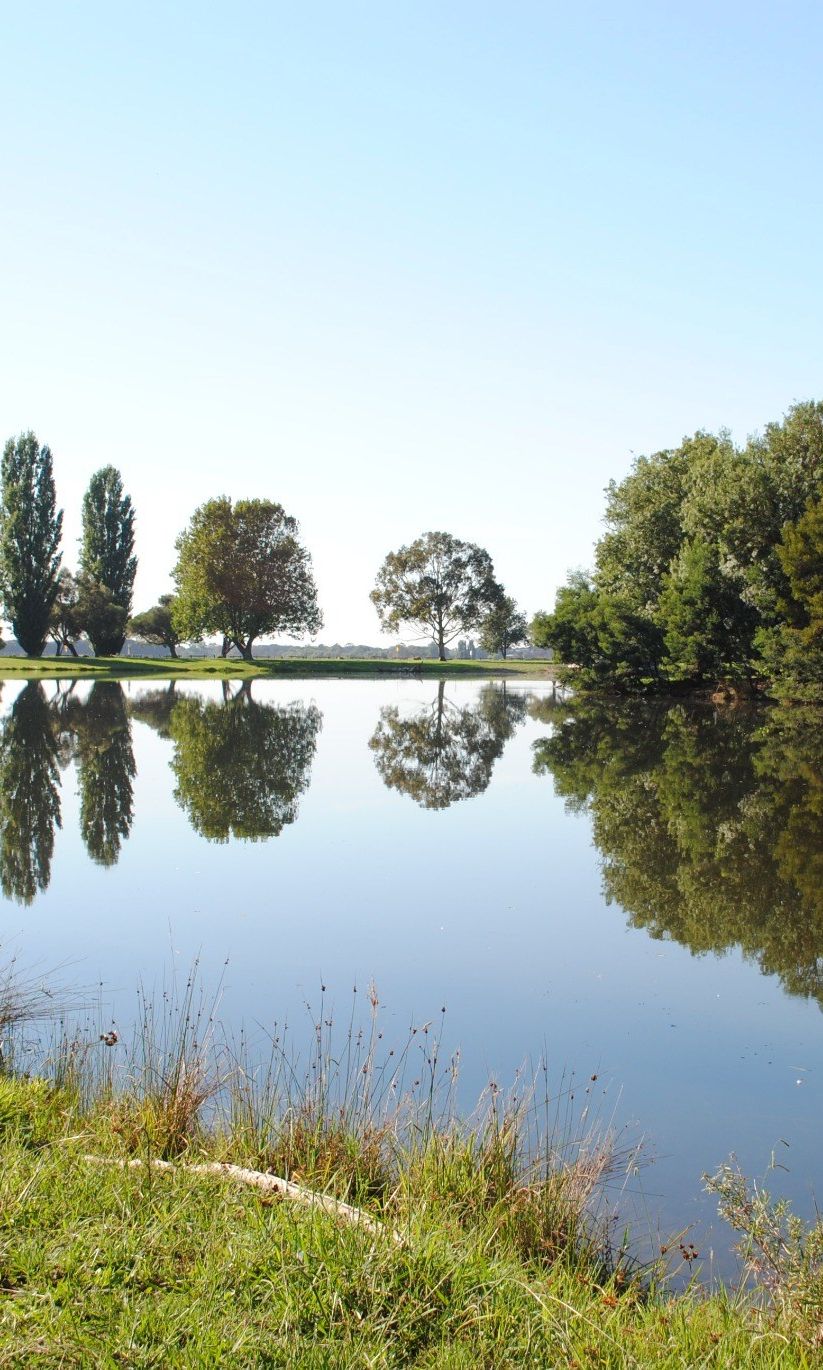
(709, 824)
(155, 707)
(445, 751)
(99, 733)
(29, 795)
(241, 766)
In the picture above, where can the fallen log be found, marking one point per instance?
(259, 1179)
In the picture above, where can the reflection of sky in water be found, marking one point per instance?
(491, 906)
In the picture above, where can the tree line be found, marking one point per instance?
(241, 573)
(710, 570)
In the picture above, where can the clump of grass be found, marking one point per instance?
(782, 1256)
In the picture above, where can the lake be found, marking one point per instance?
(635, 891)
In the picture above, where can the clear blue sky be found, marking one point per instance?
(403, 266)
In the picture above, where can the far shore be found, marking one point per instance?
(222, 668)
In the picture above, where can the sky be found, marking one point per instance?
(402, 266)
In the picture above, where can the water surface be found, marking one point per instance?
(637, 891)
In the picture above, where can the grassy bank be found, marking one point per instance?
(220, 668)
(484, 1246)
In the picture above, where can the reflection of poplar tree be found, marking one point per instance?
(29, 795)
(105, 770)
(445, 752)
(241, 766)
(708, 823)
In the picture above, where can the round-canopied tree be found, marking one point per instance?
(504, 626)
(107, 554)
(242, 573)
(438, 586)
(30, 529)
(156, 625)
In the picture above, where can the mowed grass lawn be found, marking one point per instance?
(209, 668)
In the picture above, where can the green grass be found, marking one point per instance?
(501, 1259)
(208, 668)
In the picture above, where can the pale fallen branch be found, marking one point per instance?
(260, 1179)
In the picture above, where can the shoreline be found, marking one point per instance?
(217, 668)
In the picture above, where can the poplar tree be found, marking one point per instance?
(107, 554)
(30, 529)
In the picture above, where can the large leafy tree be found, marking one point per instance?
(156, 625)
(98, 614)
(691, 579)
(438, 587)
(242, 573)
(708, 626)
(611, 645)
(30, 529)
(107, 550)
(793, 649)
(504, 626)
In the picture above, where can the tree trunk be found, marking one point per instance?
(224, 649)
(441, 646)
(246, 650)
(172, 649)
(72, 648)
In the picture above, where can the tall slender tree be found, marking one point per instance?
(107, 554)
(30, 529)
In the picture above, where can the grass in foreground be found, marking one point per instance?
(222, 668)
(500, 1262)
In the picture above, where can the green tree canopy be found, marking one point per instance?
(64, 627)
(503, 626)
(107, 549)
(242, 573)
(691, 584)
(156, 625)
(30, 530)
(97, 614)
(438, 587)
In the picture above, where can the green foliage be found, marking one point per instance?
(692, 582)
(503, 626)
(30, 530)
(612, 645)
(793, 650)
(437, 586)
(64, 627)
(156, 625)
(98, 614)
(107, 551)
(241, 572)
(709, 628)
(445, 752)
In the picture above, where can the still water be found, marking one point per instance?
(636, 892)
